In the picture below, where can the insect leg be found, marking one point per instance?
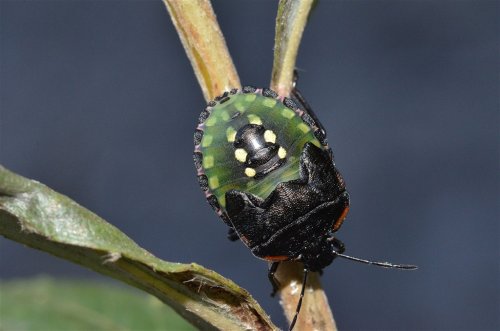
(232, 235)
(274, 282)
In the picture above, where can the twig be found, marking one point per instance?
(205, 46)
(315, 313)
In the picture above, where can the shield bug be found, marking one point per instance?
(264, 164)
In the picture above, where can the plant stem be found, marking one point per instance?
(34, 215)
(291, 20)
(205, 46)
(315, 313)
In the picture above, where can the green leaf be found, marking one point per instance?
(34, 215)
(49, 304)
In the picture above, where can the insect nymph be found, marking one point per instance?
(265, 166)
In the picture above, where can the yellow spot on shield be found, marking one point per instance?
(269, 136)
(250, 97)
(316, 143)
(239, 106)
(282, 153)
(287, 113)
(208, 161)
(213, 182)
(225, 116)
(269, 102)
(254, 119)
(230, 134)
(240, 154)
(207, 140)
(250, 172)
(211, 121)
(303, 127)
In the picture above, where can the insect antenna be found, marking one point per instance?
(299, 304)
(379, 264)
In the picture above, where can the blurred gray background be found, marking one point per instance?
(98, 101)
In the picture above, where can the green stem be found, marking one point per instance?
(316, 313)
(205, 46)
